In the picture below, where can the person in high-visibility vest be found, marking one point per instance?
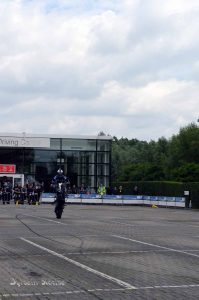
(101, 190)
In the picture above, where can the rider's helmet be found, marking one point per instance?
(59, 171)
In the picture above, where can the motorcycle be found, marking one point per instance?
(59, 201)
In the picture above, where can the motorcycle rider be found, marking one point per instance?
(59, 183)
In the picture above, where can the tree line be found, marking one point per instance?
(173, 159)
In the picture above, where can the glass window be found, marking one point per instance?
(12, 156)
(79, 169)
(103, 157)
(87, 157)
(70, 168)
(42, 156)
(85, 180)
(45, 169)
(103, 169)
(103, 145)
(103, 180)
(78, 157)
(70, 156)
(78, 144)
(55, 144)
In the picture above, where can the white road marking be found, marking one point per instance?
(154, 245)
(23, 295)
(153, 223)
(126, 224)
(149, 223)
(45, 219)
(124, 252)
(100, 253)
(84, 267)
(169, 286)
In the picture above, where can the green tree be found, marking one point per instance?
(174, 159)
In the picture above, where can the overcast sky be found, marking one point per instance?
(129, 68)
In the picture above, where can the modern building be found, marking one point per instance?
(36, 158)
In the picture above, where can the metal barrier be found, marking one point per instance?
(163, 201)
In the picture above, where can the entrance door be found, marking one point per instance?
(14, 179)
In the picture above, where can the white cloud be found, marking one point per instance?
(81, 67)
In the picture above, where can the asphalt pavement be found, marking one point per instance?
(98, 252)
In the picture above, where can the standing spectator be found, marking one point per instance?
(23, 193)
(115, 191)
(69, 190)
(1, 191)
(38, 191)
(135, 190)
(88, 190)
(74, 189)
(16, 193)
(82, 189)
(101, 190)
(92, 191)
(120, 190)
(30, 194)
(7, 192)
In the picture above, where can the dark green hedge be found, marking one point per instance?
(163, 188)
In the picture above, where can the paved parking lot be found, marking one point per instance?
(98, 252)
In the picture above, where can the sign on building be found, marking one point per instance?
(7, 169)
(24, 142)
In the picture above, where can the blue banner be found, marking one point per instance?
(118, 197)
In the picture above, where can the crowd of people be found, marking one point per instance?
(30, 193)
(116, 190)
(82, 189)
(101, 190)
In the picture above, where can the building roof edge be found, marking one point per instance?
(32, 135)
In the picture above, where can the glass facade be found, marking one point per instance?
(84, 161)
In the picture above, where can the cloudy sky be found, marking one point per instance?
(129, 68)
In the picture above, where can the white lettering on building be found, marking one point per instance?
(24, 142)
(8, 142)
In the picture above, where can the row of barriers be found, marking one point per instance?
(118, 199)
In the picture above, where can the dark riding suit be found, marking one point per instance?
(60, 191)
